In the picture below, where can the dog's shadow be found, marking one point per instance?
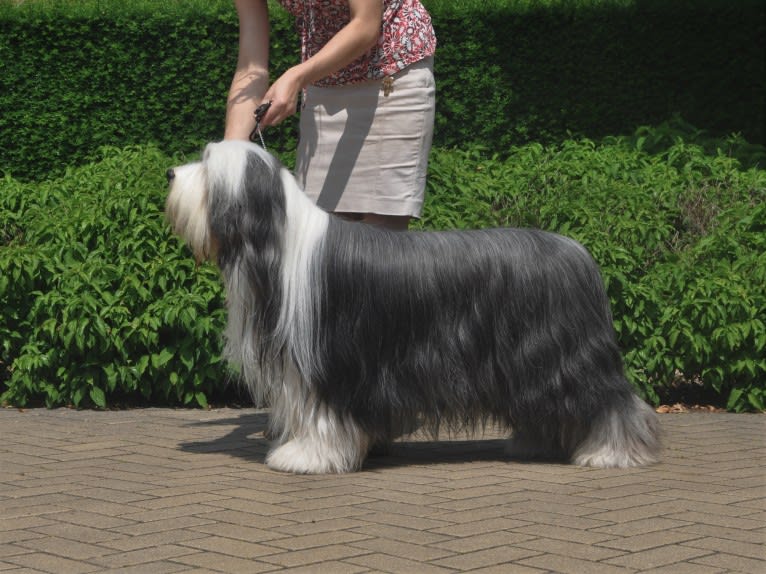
(247, 440)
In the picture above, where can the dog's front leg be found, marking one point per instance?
(319, 442)
(311, 438)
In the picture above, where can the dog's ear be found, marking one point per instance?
(265, 198)
(246, 198)
(225, 167)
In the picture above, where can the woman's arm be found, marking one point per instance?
(354, 39)
(251, 78)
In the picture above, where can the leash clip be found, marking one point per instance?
(260, 111)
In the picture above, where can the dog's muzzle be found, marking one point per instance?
(171, 175)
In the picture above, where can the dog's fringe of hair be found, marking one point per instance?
(351, 333)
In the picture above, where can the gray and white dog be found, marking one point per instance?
(353, 333)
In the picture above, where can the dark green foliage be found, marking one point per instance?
(78, 83)
(75, 80)
(518, 71)
(78, 76)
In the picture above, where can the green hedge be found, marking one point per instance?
(77, 76)
(100, 305)
(525, 70)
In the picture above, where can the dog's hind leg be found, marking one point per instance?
(621, 437)
(320, 442)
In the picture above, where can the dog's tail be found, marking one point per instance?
(621, 437)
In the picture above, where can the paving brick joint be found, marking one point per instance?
(164, 491)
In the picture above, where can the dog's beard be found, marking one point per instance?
(187, 210)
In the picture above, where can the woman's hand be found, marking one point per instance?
(357, 37)
(283, 95)
(354, 39)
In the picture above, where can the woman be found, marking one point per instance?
(368, 101)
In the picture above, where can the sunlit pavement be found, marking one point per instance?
(162, 490)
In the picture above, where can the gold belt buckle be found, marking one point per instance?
(388, 85)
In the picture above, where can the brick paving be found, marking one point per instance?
(164, 491)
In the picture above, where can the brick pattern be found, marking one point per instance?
(184, 491)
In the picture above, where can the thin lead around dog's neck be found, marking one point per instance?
(260, 111)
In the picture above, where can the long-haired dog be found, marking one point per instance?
(353, 334)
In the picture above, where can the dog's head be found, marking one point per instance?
(229, 199)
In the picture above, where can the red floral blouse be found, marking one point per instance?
(407, 36)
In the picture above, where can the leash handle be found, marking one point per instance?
(260, 111)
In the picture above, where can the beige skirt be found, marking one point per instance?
(364, 147)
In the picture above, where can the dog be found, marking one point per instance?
(354, 334)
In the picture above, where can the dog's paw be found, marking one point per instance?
(300, 457)
(622, 439)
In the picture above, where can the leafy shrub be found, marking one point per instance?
(98, 303)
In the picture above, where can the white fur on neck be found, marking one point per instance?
(306, 226)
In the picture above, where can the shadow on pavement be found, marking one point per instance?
(244, 438)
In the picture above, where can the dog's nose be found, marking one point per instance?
(170, 174)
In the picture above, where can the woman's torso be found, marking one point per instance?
(407, 36)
